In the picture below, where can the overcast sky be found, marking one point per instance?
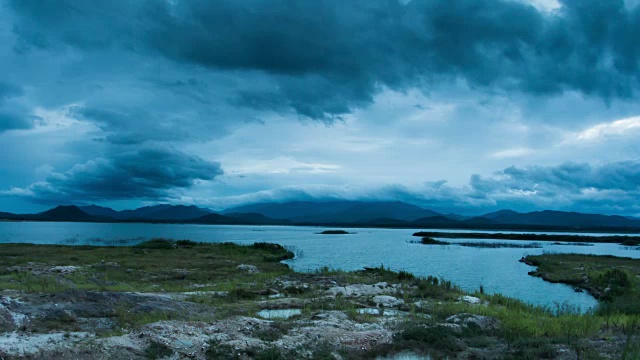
(459, 106)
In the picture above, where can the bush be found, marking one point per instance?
(242, 294)
(271, 353)
(186, 243)
(157, 244)
(218, 351)
(405, 275)
(534, 349)
(156, 350)
(435, 337)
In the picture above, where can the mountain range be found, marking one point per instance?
(337, 213)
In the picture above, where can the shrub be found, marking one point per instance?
(435, 337)
(156, 350)
(186, 243)
(218, 351)
(157, 244)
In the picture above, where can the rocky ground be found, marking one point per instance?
(374, 313)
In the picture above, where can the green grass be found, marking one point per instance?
(157, 265)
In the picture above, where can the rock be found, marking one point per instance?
(422, 304)
(453, 327)
(61, 316)
(65, 270)
(6, 320)
(485, 323)
(249, 269)
(470, 299)
(387, 301)
(356, 290)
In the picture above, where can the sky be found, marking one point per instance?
(464, 106)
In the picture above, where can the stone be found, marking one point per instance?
(485, 323)
(387, 301)
(470, 299)
(249, 269)
(6, 320)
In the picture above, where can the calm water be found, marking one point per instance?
(497, 270)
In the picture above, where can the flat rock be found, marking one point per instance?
(356, 290)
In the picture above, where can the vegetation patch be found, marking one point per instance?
(157, 350)
(431, 241)
(625, 240)
(496, 245)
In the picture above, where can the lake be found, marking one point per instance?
(496, 269)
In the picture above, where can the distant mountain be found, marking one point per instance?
(434, 220)
(500, 214)
(387, 222)
(96, 210)
(156, 213)
(64, 213)
(7, 216)
(557, 218)
(345, 213)
(217, 219)
(456, 217)
(336, 211)
(165, 213)
(255, 218)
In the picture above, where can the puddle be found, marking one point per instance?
(279, 314)
(405, 356)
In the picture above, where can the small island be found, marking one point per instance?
(334, 232)
(567, 239)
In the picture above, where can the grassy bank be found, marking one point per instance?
(612, 280)
(156, 265)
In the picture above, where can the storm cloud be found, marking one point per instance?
(324, 59)
(147, 173)
(13, 115)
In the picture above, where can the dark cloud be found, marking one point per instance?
(564, 178)
(8, 91)
(127, 125)
(146, 173)
(12, 114)
(609, 188)
(325, 58)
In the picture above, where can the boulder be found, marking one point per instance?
(485, 323)
(249, 269)
(6, 320)
(470, 299)
(387, 301)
